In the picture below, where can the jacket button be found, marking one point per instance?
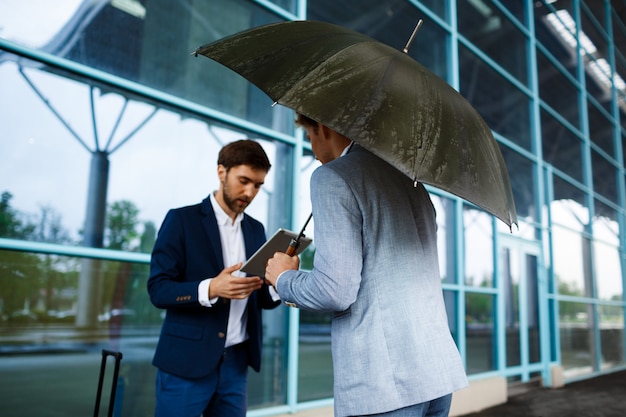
(221, 335)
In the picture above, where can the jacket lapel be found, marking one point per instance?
(209, 223)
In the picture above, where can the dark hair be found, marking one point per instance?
(305, 121)
(244, 152)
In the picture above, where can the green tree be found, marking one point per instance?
(12, 224)
(122, 219)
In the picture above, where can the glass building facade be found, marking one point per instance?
(107, 120)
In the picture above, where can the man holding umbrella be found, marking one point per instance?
(376, 269)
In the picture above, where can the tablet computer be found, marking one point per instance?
(277, 243)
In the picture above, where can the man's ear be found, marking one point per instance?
(221, 172)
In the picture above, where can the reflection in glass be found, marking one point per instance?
(45, 166)
(557, 90)
(483, 24)
(608, 271)
(504, 107)
(390, 22)
(532, 308)
(522, 176)
(510, 269)
(153, 48)
(561, 147)
(604, 175)
(575, 325)
(290, 6)
(569, 207)
(611, 320)
(437, 6)
(315, 366)
(315, 370)
(478, 247)
(605, 224)
(516, 7)
(600, 129)
(479, 329)
(39, 314)
(450, 299)
(570, 257)
(446, 246)
(549, 37)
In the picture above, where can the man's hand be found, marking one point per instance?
(226, 285)
(278, 264)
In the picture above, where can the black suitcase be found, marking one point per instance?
(118, 358)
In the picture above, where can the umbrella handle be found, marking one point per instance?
(293, 246)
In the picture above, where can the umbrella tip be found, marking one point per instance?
(408, 44)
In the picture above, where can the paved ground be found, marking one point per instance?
(604, 396)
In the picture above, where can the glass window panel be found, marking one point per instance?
(437, 6)
(315, 371)
(554, 328)
(289, 5)
(45, 166)
(561, 147)
(557, 90)
(390, 22)
(598, 81)
(153, 48)
(479, 333)
(500, 103)
(510, 269)
(315, 366)
(446, 242)
(619, 36)
(576, 324)
(605, 224)
(600, 129)
(490, 30)
(570, 260)
(478, 244)
(604, 176)
(611, 319)
(569, 207)
(532, 308)
(593, 20)
(452, 308)
(521, 174)
(308, 164)
(549, 32)
(518, 8)
(47, 309)
(608, 271)
(624, 141)
(621, 100)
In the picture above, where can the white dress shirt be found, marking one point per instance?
(233, 250)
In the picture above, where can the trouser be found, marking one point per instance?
(223, 393)
(439, 407)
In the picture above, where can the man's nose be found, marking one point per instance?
(250, 190)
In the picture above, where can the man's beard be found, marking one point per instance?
(234, 204)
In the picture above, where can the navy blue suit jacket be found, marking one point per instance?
(188, 250)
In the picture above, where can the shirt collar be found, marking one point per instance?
(347, 148)
(220, 215)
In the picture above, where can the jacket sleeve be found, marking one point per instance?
(334, 282)
(166, 284)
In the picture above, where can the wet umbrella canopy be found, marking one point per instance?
(379, 97)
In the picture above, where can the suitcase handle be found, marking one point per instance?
(118, 359)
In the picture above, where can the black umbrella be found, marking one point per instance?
(379, 97)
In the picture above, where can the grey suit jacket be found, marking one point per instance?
(376, 269)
